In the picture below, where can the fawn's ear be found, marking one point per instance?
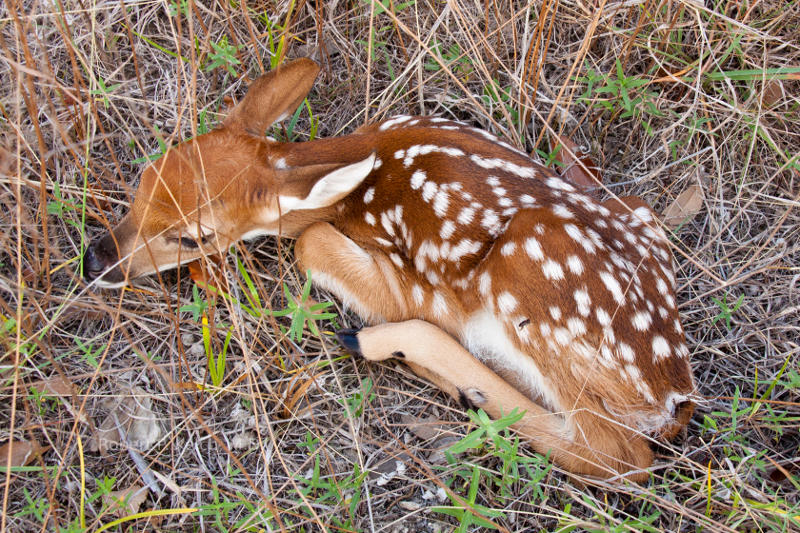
(273, 96)
(317, 186)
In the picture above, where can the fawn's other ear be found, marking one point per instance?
(273, 96)
(317, 186)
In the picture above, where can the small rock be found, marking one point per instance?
(197, 350)
(243, 440)
(409, 505)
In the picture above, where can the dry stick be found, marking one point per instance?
(397, 31)
(20, 294)
(123, 10)
(29, 96)
(252, 32)
(536, 57)
(579, 56)
(370, 45)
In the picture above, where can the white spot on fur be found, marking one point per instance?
(369, 218)
(661, 348)
(661, 286)
(485, 283)
(613, 286)
(533, 248)
(417, 179)
(602, 317)
(626, 352)
(562, 336)
(417, 294)
(441, 202)
(575, 265)
(506, 302)
(369, 195)
(557, 183)
(642, 320)
(439, 306)
(508, 249)
(466, 215)
(490, 219)
(643, 214)
(386, 222)
(393, 122)
(583, 301)
(555, 313)
(429, 190)
(448, 227)
(552, 270)
(464, 247)
(576, 326)
(396, 259)
(561, 211)
(512, 168)
(670, 301)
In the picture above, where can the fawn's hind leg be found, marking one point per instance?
(377, 283)
(601, 448)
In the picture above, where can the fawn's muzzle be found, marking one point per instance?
(100, 256)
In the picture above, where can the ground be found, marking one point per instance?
(219, 414)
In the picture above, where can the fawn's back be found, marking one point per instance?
(567, 298)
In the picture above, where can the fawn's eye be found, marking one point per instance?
(186, 242)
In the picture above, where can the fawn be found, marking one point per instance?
(483, 271)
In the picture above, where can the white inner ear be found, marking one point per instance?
(332, 187)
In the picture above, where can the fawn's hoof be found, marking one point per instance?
(349, 339)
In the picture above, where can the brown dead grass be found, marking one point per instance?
(736, 138)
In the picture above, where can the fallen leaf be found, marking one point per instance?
(573, 166)
(6, 162)
(132, 415)
(200, 270)
(772, 93)
(56, 386)
(61, 388)
(684, 207)
(126, 501)
(22, 452)
(424, 428)
(440, 446)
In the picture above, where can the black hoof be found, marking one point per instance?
(349, 339)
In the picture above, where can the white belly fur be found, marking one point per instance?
(486, 338)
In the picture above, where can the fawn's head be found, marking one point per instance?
(230, 184)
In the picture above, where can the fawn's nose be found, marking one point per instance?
(92, 267)
(98, 257)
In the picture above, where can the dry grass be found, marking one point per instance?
(89, 87)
